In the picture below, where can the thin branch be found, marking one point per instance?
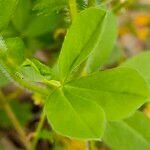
(14, 120)
(37, 132)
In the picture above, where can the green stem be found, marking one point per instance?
(52, 83)
(37, 132)
(31, 87)
(73, 8)
(14, 120)
(92, 145)
(14, 78)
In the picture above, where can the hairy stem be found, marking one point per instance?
(73, 8)
(20, 82)
(37, 132)
(14, 120)
(31, 86)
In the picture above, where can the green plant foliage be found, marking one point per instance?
(15, 51)
(12, 51)
(22, 15)
(42, 24)
(34, 71)
(34, 29)
(106, 43)
(82, 101)
(77, 112)
(130, 134)
(141, 63)
(112, 90)
(85, 36)
(6, 10)
(22, 112)
(3, 48)
(115, 56)
(48, 6)
(3, 80)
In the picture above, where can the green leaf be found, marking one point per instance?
(118, 91)
(83, 37)
(6, 11)
(80, 101)
(74, 116)
(10, 31)
(48, 6)
(44, 69)
(116, 56)
(34, 70)
(131, 134)
(22, 13)
(42, 24)
(21, 110)
(12, 52)
(15, 51)
(4, 76)
(105, 46)
(141, 63)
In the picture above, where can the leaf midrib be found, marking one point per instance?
(72, 66)
(108, 91)
(82, 120)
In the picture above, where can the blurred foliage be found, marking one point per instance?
(41, 25)
(35, 30)
(21, 110)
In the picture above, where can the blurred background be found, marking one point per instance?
(42, 25)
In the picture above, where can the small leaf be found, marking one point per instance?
(44, 70)
(83, 37)
(104, 48)
(131, 134)
(6, 10)
(15, 51)
(141, 63)
(11, 55)
(48, 6)
(22, 13)
(34, 71)
(74, 116)
(42, 24)
(116, 91)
